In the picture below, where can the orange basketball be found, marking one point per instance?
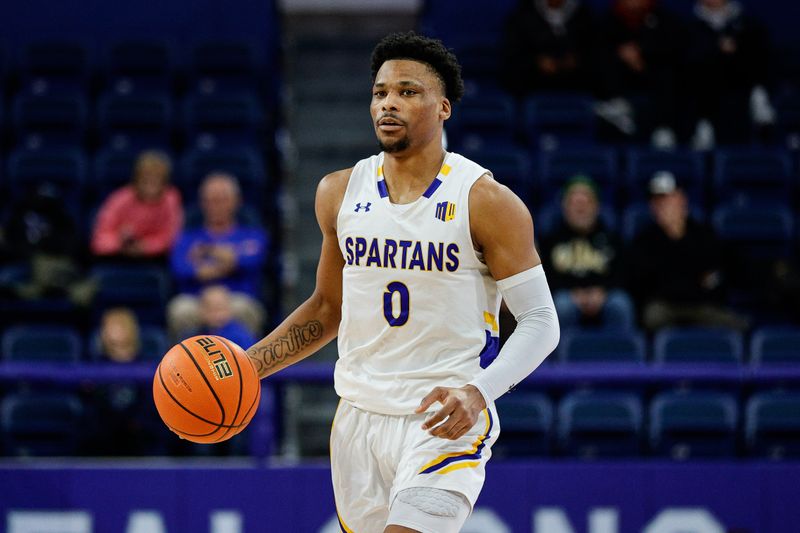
(206, 389)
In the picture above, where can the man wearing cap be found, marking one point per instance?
(676, 265)
(583, 257)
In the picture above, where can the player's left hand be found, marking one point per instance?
(460, 407)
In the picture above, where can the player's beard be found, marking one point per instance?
(395, 146)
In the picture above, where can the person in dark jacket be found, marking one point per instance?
(548, 46)
(40, 236)
(639, 55)
(676, 265)
(727, 66)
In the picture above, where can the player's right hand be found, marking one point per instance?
(460, 409)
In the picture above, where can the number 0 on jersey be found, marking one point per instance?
(388, 306)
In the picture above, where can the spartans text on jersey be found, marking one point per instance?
(402, 254)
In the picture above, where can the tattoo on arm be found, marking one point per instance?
(285, 347)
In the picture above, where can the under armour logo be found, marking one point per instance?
(359, 207)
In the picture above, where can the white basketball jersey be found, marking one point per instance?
(419, 307)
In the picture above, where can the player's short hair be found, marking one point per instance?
(432, 52)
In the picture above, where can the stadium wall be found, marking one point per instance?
(525, 497)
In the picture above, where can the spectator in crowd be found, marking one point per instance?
(125, 423)
(221, 252)
(119, 335)
(547, 46)
(216, 316)
(41, 239)
(582, 258)
(140, 221)
(676, 265)
(727, 62)
(639, 58)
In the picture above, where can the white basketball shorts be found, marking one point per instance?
(375, 456)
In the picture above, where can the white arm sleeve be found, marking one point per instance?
(528, 298)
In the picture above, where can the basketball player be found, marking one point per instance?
(419, 245)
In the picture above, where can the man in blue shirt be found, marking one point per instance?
(220, 252)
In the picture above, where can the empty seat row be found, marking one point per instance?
(118, 420)
(677, 424)
(72, 63)
(146, 291)
(135, 120)
(682, 345)
(735, 175)
(40, 424)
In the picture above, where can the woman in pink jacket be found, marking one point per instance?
(140, 220)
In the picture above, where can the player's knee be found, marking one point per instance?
(427, 509)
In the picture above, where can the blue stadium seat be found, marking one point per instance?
(527, 420)
(558, 120)
(143, 65)
(762, 232)
(454, 21)
(753, 177)
(143, 289)
(689, 424)
(479, 53)
(582, 346)
(698, 345)
(63, 167)
(772, 425)
(50, 120)
(154, 344)
(220, 65)
(42, 343)
(482, 121)
(246, 164)
(775, 345)
(135, 121)
(54, 65)
(688, 168)
(479, 61)
(41, 424)
(634, 219)
(509, 164)
(112, 169)
(600, 424)
(222, 120)
(599, 163)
